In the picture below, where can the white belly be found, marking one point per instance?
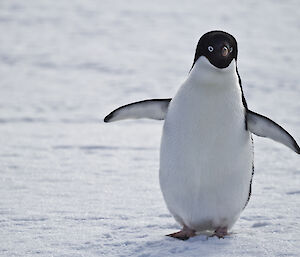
(206, 154)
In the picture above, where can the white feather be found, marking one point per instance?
(206, 153)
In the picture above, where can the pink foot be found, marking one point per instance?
(183, 234)
(220, 232)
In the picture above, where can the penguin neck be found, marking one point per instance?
(205, 75)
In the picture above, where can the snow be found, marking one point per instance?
(72, 185)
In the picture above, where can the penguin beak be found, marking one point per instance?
(225, 51)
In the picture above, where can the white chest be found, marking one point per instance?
(206, 153)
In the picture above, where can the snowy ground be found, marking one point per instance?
(73, 186)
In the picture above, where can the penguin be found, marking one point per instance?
(206, 152)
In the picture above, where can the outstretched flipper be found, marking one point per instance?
(157, 109)
(152, 109)
(265, 127)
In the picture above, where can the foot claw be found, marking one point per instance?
(179, 236)
(183, 234)
(220, 232)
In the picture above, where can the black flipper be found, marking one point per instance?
(265, 127)
(152, 109)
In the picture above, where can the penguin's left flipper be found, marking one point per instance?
(152, 109)
(265, 127)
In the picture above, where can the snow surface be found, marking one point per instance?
(73, 186)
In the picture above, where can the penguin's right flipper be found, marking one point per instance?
(264, 127)
(152, 109)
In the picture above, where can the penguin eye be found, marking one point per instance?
(231, 49)
(210, 48)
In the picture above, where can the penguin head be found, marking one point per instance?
(219, 47)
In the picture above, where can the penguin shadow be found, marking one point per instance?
(165, 245)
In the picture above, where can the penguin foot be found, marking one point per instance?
(183, 234)
(220, 232)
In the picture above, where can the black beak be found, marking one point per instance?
(225, 51)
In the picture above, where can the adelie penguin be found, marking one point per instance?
(206, 154)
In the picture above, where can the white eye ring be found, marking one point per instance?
(231, 49)
(210, 48)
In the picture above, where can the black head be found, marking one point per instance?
(219, 47)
